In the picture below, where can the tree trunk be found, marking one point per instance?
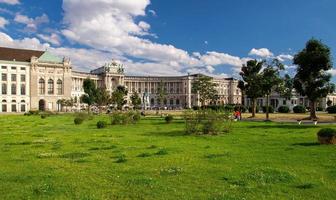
(254, 107)
(88, 109)
(267, 107)
(312, 105)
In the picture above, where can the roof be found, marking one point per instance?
(22, 55)
(48, 57)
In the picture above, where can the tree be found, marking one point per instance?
(118, 96)
(251, 83)
(312, 79)
(286, 87)
(90, 90)
(161, 93)
(270, 81)
(102, 98)
(205, 88)
(136, 100)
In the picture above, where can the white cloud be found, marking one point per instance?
(284, 57)
(10, 2)
(53, 38)
(263, 52)
(31, 23)
(3, 22)
(332, 72)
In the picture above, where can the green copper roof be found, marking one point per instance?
(48, 57)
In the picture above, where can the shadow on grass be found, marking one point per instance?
(286, 126)
(307, 144)
(167, 133)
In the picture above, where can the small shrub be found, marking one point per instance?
(32, 112)
(283, 109)
(78, 120)
(331, 109)
(161, 152)
(270, 109)
(43, 116)
(327, 132)
(319, 108)
(121, 159)
(299, 109)
(136, 117)
(169, 119)
(101, 124)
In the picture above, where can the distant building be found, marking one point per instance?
(37, 80)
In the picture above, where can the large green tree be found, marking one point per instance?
(161, 93)
(271, 80)
(251, 84)
(136, 100)
(118, 96)
(90, 90)
(205, 88)
(312, 79)
(103, 98)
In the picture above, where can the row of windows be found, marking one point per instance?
(13, 77)
(13, 106)
(13, 68)
(41, 86)
(13, 89)
(165, 102)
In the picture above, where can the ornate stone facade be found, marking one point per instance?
(37, 80)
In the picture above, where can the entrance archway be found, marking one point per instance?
(42, 105)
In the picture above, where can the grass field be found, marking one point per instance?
(54, 159)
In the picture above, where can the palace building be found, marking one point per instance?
(37, 80)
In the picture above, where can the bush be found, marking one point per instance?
(32, 112)
(283, 109)
(331, 109)
(101, 124)
(43, 116)
(250, 109)
(125, 118)
(240, 108)
(319, 108)
(270, 109)
(78, 120)
(169, 119)
(299, 109)
(327, 136)
(207, 122)
(327, 132)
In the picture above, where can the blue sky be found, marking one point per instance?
(172, 37)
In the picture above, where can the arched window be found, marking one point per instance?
(50, 86)
(23, 106)
(4, 106)
(13, 106)
(59, 87)
(41, 86)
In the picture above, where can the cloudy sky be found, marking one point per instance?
(168, 37)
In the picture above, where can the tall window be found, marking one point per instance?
(4, 88)
(4, 77)
(59, 87)
(23, 106)
(23, 78)
(23, 89)
(13, 89)
(50, 86)
(13, 77)
(4, 106)
(13, 106)
(41, 86)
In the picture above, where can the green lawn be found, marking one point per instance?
(54, 159)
